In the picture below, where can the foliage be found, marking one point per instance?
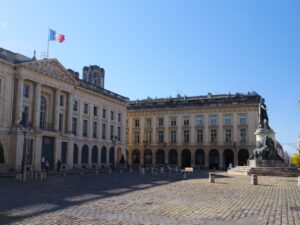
(295, 160)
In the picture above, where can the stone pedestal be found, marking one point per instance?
(253, 163)
(254, 180)
(261, 134)
(211, 178)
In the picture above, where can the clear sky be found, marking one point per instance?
(162, 48)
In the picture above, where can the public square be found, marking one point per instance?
(130, 198)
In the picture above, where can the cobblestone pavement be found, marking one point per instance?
(135, 199)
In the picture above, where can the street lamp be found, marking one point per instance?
(113, 140)
(25, 127)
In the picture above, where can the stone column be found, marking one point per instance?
(192, 157)
(37, 106)
(206, 159)
(57, 153)
(56, 110)
(179, 158)
(221, 160)
(19, 101)
(70, 155)
(79, 155)
(38, 153)
(69, 116)
(99, 157)
(19, 151)
(236, 155)
(91, 121)
(90, 156)
(166, 155)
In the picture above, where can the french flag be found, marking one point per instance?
(53, 36)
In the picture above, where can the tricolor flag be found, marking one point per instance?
(53, 36)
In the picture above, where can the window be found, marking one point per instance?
(95, 111)
(119, 133)
(186, 121)
(26, 90)
(112, 115)
(243, 135)
(136, 137)
(160, 136)
(95, 127)
(148, 122)
(61, 100)
(136, 123)
(104, 113)
(173, 121)
(227, 120)
(186, 136)
(160, 122)
(199, 135)
(85, 128)
(243, 120)
(213, 120)
(25, 113)
(213, 135)
(74, 125)
(112, 131)
(148, 136)
(60, 122)
(199, 120)
(43, 109)
(103, 131)
(75, 105)
(228, 135)
(119, 117)
(64, 149)
(0, 86)
(86, 108)
(173, 136)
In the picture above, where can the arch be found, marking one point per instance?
(75, 154)
(43, 111)
(120, 156)
(186, 159)
(95, 154)
(135, 156)
(228, 157)
(85, 155)
(111, 156)
(199, 157)
(213, 159)
(148, 157)
(2, 158)
(243, 157)
(103, 154)
(160, 157)
(173, 157)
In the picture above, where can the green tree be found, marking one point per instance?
(295, 160)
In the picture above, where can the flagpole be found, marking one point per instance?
(47, 53)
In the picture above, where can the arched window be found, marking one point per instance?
(43, 110)
(75, 154)
(95, 155)
(103, 155)
(85, 154)
(135, 156)
(111, 155)
(173, 157)
(160, 157)
(199, 157)
(148, 157)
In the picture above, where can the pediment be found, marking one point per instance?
(51, 67)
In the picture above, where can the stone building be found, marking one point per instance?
(72, 120)
(205, 131)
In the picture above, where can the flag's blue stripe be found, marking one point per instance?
(52, 35)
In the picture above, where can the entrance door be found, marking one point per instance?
(48, 151)
(186, 158)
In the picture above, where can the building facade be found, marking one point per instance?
(210, 131)
(72, 120)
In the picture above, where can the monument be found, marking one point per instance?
(268, 157)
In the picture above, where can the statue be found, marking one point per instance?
(263, 115)
(266, 151)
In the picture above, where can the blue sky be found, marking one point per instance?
(162, 48)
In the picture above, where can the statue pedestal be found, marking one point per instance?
(261, 134)
(253, 163)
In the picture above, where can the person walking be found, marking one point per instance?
(47, 165)
(58, 166)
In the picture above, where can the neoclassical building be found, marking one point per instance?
(204, 131)
(72, 120)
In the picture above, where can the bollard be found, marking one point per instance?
(298, 181)
(254, 180)
(211, 178)
(184, 176)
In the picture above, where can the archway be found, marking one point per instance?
(160, 157)
(2, 158)
(199, 157)
(111, 156)
(213, 159)
(95, 155)
(85, 155)
(75, 154)
(173, 157)
(148, 157)
(186, 158)
(228, 157)
(136, 157)
(243, 157)
(103, 155)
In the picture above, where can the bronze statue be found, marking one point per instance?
(266, 151)
(263, 115)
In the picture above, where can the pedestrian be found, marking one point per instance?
(47, 165)
(58, 166)
(43, 163)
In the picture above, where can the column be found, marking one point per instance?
(153, 156)
(235, 151)
(70, 154)
(79, 155)
(129, 157)
(179, 158)
(90, 156)
(166, 155)
(19, 101)
(206, 159)
(56, 110)
(91, 121)
(221, 163)
(99, 157)
(38, 153)
(69, 116)
(36, 106)
(192, 157)
(19, 144)
(57, 154)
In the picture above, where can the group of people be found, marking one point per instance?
(46, 165)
